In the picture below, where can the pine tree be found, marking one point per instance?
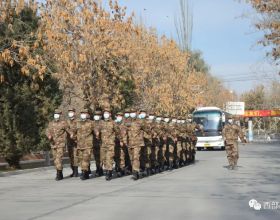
(25, 99)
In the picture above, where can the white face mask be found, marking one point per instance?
(56, 116)
(83, 116)
(126, 115)
(230, 121)
(106, 115)
(178, 121)
(166, 120)
(96, 117)
(71, 114)
(174, 120)
(183, 121)
(190, 120)
(133, 115)
(142, 115)
(151, 117)
(119, 119)
(158, 119)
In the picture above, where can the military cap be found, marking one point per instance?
(71, 109)
(151, 113)
(120, 113)
(57, 111)
(98, 112)
(230, 117)
(127, 110)
(132, 110)
(107, 110)
(85, 110)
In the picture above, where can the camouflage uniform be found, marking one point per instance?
(121, 145)
(72, 144)
(85, 132)
(97, 143)
(107, 131)
(179, 146)
(58, 132)
(171, 143)
(230, 133)
(135, 143)
(148, 141)
(157, 145)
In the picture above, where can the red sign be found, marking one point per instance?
(262, 113)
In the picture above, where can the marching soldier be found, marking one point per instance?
(121, 145)
(157, 142)
(85, 132)
(135, 143)
(57, 134)
(108, 134)
(230, 133)
(171, 142)
(149, 146)
(72, 142)
(165, 135)
(97, 142)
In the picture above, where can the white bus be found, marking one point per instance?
(213, 120)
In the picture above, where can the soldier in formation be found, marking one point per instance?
(134, 143)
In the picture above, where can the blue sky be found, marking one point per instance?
(225, 36)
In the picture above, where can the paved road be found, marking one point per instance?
(205, 190)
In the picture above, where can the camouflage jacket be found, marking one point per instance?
(57, 131)
(107, 131)
(121, 132)
(85, 131)
(231, 132)
(72, 125)
(135, 131)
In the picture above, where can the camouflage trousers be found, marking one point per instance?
(171, 152)
(96, 154)
(145, 156)
(163, 152)
(180, 151)
(154, 156)
(107, 153)
(120, 156)
(134, 155)
(232, 152)
(187, 151)
(84, 156)
(73, 155)
(57, 157)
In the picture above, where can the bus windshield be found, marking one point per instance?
(210, 120)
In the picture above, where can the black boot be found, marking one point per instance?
(99, 172)
(170, 165)
(89, 170)
(85, 175)
(59, 175)
(153, 171)
(109, 175)
(135, 175)
(121, 172)
(148, 171)
(127, 171)
(72, 174)
(75, 172)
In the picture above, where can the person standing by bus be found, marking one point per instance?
(230, 133)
